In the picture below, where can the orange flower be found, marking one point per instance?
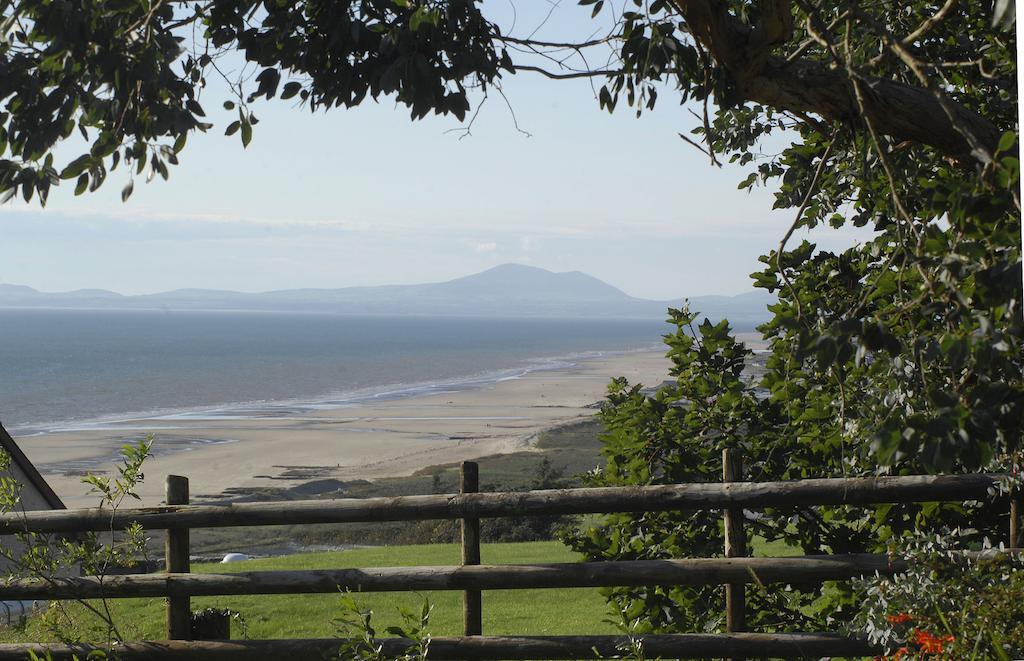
(899, 619)
(929, 642)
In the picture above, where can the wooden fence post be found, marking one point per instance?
(472, 607)
(176, 558)
(1016, 512)
(735, 544)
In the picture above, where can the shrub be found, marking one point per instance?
(949, 604)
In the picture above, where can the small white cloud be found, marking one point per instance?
(485, 246)
(527, 243)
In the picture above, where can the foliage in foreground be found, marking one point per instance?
(360, 639)
(948, 603)
(677, 435)
(48, 556)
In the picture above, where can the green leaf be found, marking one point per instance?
(1007, 141)
(885, 445)
(246, 133)
(193, 106)
(76, 167)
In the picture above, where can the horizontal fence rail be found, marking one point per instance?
(623, 573)
(735, 571)
(671, 646)
(748, 495)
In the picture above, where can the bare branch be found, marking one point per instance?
(555, 44)
(571, 74)
(929, 23)
(811, 190)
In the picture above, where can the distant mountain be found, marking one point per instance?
(22, 296)
(507, 290)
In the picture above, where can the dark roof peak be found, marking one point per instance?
(19, 459)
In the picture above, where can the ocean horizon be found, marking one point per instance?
(65, 370)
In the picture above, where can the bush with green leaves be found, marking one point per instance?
(677, 434)
(951, 603)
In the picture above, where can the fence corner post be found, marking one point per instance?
(735, 544)
(472, 606)
(176, 559)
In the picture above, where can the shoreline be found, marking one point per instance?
(168, 418)
(366, 436)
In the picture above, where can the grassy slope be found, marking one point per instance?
(537, 612)
(301, 616)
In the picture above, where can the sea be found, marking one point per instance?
(71, 369)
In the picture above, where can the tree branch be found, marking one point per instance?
(596, 73)
(802, 85)
(929, 23)
(553, 44)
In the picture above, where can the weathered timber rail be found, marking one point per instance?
(733, 497)
(472, 648)
(628, 573)
(746, 495)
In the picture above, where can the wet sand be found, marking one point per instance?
(286, 448)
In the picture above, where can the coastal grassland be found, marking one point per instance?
(537, 612)
(569, 450)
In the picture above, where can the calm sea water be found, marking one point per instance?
(58, 366)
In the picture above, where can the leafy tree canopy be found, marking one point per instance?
(129, 75)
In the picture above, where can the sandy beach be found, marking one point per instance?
(388, 438)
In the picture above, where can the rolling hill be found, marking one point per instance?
(513, 290)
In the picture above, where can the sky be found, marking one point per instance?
(365, 197)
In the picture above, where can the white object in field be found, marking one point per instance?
(234, 557)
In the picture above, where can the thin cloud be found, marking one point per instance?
(485, 246)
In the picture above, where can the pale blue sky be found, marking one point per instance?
(365, 196)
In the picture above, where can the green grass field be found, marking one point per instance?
(537, 612)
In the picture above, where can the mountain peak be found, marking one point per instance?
(518, 281)
(513, 267)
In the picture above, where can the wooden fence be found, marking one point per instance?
(734, 571)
